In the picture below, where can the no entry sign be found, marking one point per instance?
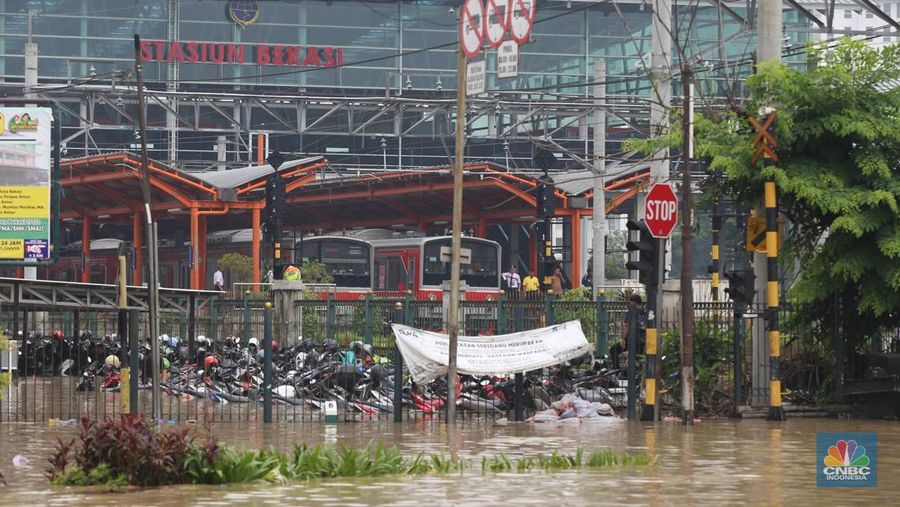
(661, 210)
(471, 28)
(522, 19)
(497, 14)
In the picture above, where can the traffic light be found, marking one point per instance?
(741, 285)
(546, 201)
(646, 246)
(275, 197)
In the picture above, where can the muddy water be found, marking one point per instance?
(714, 462)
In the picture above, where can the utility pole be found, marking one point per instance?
(153, 267)
(687, 277)
(453, 325)
(769, 36)
(661, 84)
(31, 80)
(598, 223)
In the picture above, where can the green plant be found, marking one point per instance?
(130, 447)
(238, 265)
(316, 272)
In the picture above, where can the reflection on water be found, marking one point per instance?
(715, 462)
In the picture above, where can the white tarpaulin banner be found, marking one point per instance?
(426, 353)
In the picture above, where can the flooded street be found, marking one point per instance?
(715, 462)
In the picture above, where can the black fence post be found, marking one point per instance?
(367, 332)
(329, 316)
(134, 338)
(267, 363)
(398, 367)
(246, 318)
(738, 323)
(602, 327)
(838, 349)
(551, 316)
(632, 364)
(192, 321)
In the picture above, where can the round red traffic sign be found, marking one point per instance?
(661, 210)
(522, 19)
(471, 28)
(497, 14)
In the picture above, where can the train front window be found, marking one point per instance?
(346, 262)
(480, 272)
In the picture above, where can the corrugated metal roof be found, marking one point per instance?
(579, 182)
(237, 177)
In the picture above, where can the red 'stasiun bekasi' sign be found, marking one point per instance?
(224, 52)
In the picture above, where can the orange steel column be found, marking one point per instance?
(86, 249)
(202, 247)
(260, 150)
(195, 248)
(482, 228)
(576, 249)
(255, 227)
(136, 238)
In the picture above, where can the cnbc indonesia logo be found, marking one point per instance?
(846, 462)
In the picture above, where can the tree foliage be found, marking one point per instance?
(238, 265)
(316, 272)
(838, 176)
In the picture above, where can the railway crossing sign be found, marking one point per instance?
(661, 210)
(497, 15)
(765, 142)
(521, 20)
(472, 28)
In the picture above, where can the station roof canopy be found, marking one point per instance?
(318, 197)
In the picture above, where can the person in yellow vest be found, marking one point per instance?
(292, 273)
(532, 285)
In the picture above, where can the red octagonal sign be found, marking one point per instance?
(661, 210)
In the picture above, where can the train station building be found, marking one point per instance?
(360, 96)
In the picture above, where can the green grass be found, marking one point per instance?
(215, 464)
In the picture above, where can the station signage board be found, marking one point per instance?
(25, 161)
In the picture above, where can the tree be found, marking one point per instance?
(239, 267)
(838, 177)
(316, 272)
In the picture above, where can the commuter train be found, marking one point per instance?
(359, 262)
(400, 264)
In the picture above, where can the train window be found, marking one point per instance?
(347, 263)
(481, 272)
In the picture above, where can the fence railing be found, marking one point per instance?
(44, 388)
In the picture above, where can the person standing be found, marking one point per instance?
(622, 346)
(531, 285)
(512, 282)
(219, 280)
(557, 282)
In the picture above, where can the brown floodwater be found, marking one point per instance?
(714, 462)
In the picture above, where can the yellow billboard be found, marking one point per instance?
(25, 161)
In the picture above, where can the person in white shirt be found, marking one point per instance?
(219, 280)
(512, 282)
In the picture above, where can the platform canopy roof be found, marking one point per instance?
(108, 187)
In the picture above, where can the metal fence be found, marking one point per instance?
(48, 379)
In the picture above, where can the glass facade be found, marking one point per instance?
(400, 47)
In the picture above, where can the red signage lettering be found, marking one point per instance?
(265, 54)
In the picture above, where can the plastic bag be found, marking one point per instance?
(603, 409)
(549, 415)
(568, 414)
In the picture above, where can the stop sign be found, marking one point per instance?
(661, 210)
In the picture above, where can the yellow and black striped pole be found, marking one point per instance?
(714, 267)
(776, 411)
